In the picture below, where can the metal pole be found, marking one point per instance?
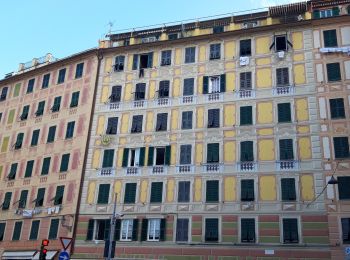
(112, 229)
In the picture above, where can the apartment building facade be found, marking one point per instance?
(209, 133)
(45, 110)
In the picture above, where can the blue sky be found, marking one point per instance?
(33, 28)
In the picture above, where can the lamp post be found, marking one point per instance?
(112, 229)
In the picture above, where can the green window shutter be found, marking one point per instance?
(135, 226)
(335, 11)
(90, 229)
(316, 14)
(333, 72)
(29, 169)
(46, 166)
(205, 84)
(284, 113)
(246, 115)
(286, 149)
(54, 228)
(223, 83)
(107, 228)
(130, 193)
(59, 195)
(330, 38)
(17, 231)
(288, 189)
(13, 171)
(337, 108)
(19, 141)
(2, 231)
(212, 191)
(117, 230)
(51, 135)
(142, 156)
(7, 201)
(150, 60)
(35, 137)
(211, 230)
(103, 194)
(343, 187)
(156, 192)
(290, 231)
(108, 157)
(213, 153)
(341, 147)
(64, 162)
(125, 157)
(39, 201)
(135, 61)
(167, 154)
(75, 99)
(144, 229)
(247, 151)
(248, 230)
(17, 90)
(150, 156)
(34, 230)
(162, 229)
(23, 199)
(247, 190)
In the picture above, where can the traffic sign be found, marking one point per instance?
(63, 255)
(66, 241)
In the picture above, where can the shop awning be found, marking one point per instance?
(18, 255)
(49, 255)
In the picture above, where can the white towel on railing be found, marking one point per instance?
(243, 61)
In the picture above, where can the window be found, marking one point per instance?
(30, 85)
(280, 43)
(25, 112)
(186, 122)
(3, 93)
(247, 190)
(79, 70)
(173, 36)
(70, 130)
(185, 154)
(166, 58)
(17, 231)
(212, 191)
(40, 110)
(326, 13)
(133, 157)
(184, 191)
(337, 108)
(61, 76)
(288, 189)
(119, 63)
(19, 141)
(13, 171)
(53, 231)
(142, 61)
(46, 166)
(282, 77)
(46, 81)
(162, 155)
(213, 118)
(215, 51)
(2, 231)
(345, 224)
(75, 99)
(248, 230)
(245, 80)
(211, 230)
(190, 54)
(7, 201)
(188, 87)
(130, 193)
(247, 151)
(35, 137)
(246, 115)
(330, 38)
(103, 194)
(218, 29)
(284, 113)
(108, 156)
(34, 230)
(140, 91)
(136, 126)
(102, 229)
(23, 199)
(343, 187)
(116, 94)
(290, 230)
(59, 195)
(333, 72)
(29, 169)
(51, 134)
(213, 153)
(286, 149)
(156, 192)
(154, 229)
(56, 104)
(214, 84)
(182, 229)
(163, 91)
(64, 162)
(39, 201)
(245, 47)
(341, 147)
(126, 233)
(162, 119)
(112, 126)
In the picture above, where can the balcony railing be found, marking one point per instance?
(139, 103)
(245, 93)
(287, 165)
(184, 168)
(132, 170)
(283, 90)
(158, 169)
(213, 167)
(247, 166)
(213, 97)
(162, 102)
(114, 106)
(188, 100)
(105, 172)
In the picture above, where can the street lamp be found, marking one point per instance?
(112, 229)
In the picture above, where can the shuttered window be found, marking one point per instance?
(162, 156)
(211, 230)
(184, 191)
(213, 153)
(286, 149)
(247, 190)
(23, 199)
(103, 194)
(75, 99)
(64, 162)
(284, 113)
(288, 189)
(7, 201)
(35, 137)
(337, 108)
(333, 72)
(247, 153)
(39, 201)
(182, 229)
(79, 70)
(281, 43)
(61, 76)
(25, 112)
(162, 120)
(51, 134)
(40, 110)
(185, 154)
(215, 51)
(186, 122)
(46, 166)
(30, 85)
(34, 230)
(119, 63)
(59, 195)
(70, 130)
(102, 229)
(13, 171)
(343, 187)
(163, 91)
(53, 231)
(3, 93)
(190, 54)
(2, 231)
(341, 147)
(56, 104)
(29, 169)
(90, 229)
(140, 91)
(19, 141)
(116, 94)
(112, 126)
(130, 193)
(212, 191)
(245, 47)
(136, 126)
(213, 118)
(247, 230)
(156, 192)
(290, 231)
(188, 87)
(282, 77)
(46, 81)
(345, 224)
(245, 80)
(108, 157)
(246, 115)
(17, 230)
(330, 38)
(166, 58)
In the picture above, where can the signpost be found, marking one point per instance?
(65, 241)
(63, 255)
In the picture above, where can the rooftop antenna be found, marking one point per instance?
(110, 24)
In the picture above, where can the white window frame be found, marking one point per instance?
(195, 55)
(155, 155)
(127, 225)
(136, 157)
(221, 51)
(214, 84)
(155, 225)
(326, 13)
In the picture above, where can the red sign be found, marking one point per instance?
(66, 241)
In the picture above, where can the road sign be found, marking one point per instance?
(347, 250)
(66, 241)
(63, 256)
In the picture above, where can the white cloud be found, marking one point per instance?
(268, 3)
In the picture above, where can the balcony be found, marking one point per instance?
(132, 170)
(212, 167)
(139, 103)
(245, 93)
(214, 97)
(184, 168)
(158, 170)
(188, 100)
(247, 166)
(283, 90)
(162, 102)
(287, 165)
(114, 106)
(106, 172)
